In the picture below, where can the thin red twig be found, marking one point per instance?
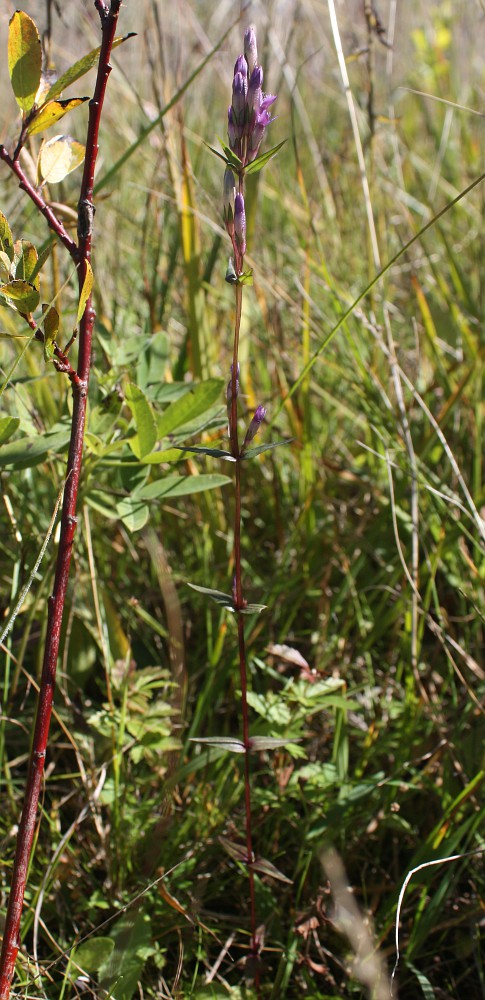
(81, 254)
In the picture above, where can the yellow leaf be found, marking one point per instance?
(24, 59)
(85, 292)
(23, 295)
(51, 113)
(58, 157)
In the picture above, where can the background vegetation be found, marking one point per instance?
(363, 536)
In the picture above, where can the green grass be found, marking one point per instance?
(362, 535)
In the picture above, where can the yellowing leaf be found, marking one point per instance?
(23, 295)
(58, 157)
(6, 240)
(51, 113)
(80, 68)
(50, 322)
(85, 292)
(24, 59)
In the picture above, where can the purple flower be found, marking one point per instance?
(259, 415)
(240, 224)
(255, 95)
(250, 48)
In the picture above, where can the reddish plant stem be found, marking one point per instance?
(81, 254)
(239, 604)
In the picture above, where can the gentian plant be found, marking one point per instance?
(248, 118)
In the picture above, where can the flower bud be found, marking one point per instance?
(250, 48)
(240, 223)
(259, 415)
(239, 92)
(228, 201)
(255, 95)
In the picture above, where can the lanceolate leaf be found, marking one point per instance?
(85, 292)
(24, 59)
(194, 403)
(180, 486)
(22, 294)
(269, 742)
(51, 113)
(221, 743)
(261, 161)
(213, 452)
(215, 595)
(146, 429)
(80, 68)
(266, 868)
(252, 452)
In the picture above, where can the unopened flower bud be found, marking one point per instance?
(228, 201)
(254, 426)
(231, 128)
(250, 48)
(240, 223)
(239, 92)
(255, 95)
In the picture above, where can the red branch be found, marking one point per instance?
(81, 254)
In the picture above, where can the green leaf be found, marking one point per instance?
(252, 452)
(24, 59)
(25, 261)
(215, 595)
(221, 743)
(261, 161)
(6, 239)
(23, 295)
(8, 426)
(58, 157)
(231, 158)
(253, 609)
(258, 743)
(29, 451)
(85, 292)
(133, 514)
(51, 113)
(213, 452)
(194, 403)
(92, 954)
(146, 429)
(179, 486)
(80, 68)
(131, 935)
